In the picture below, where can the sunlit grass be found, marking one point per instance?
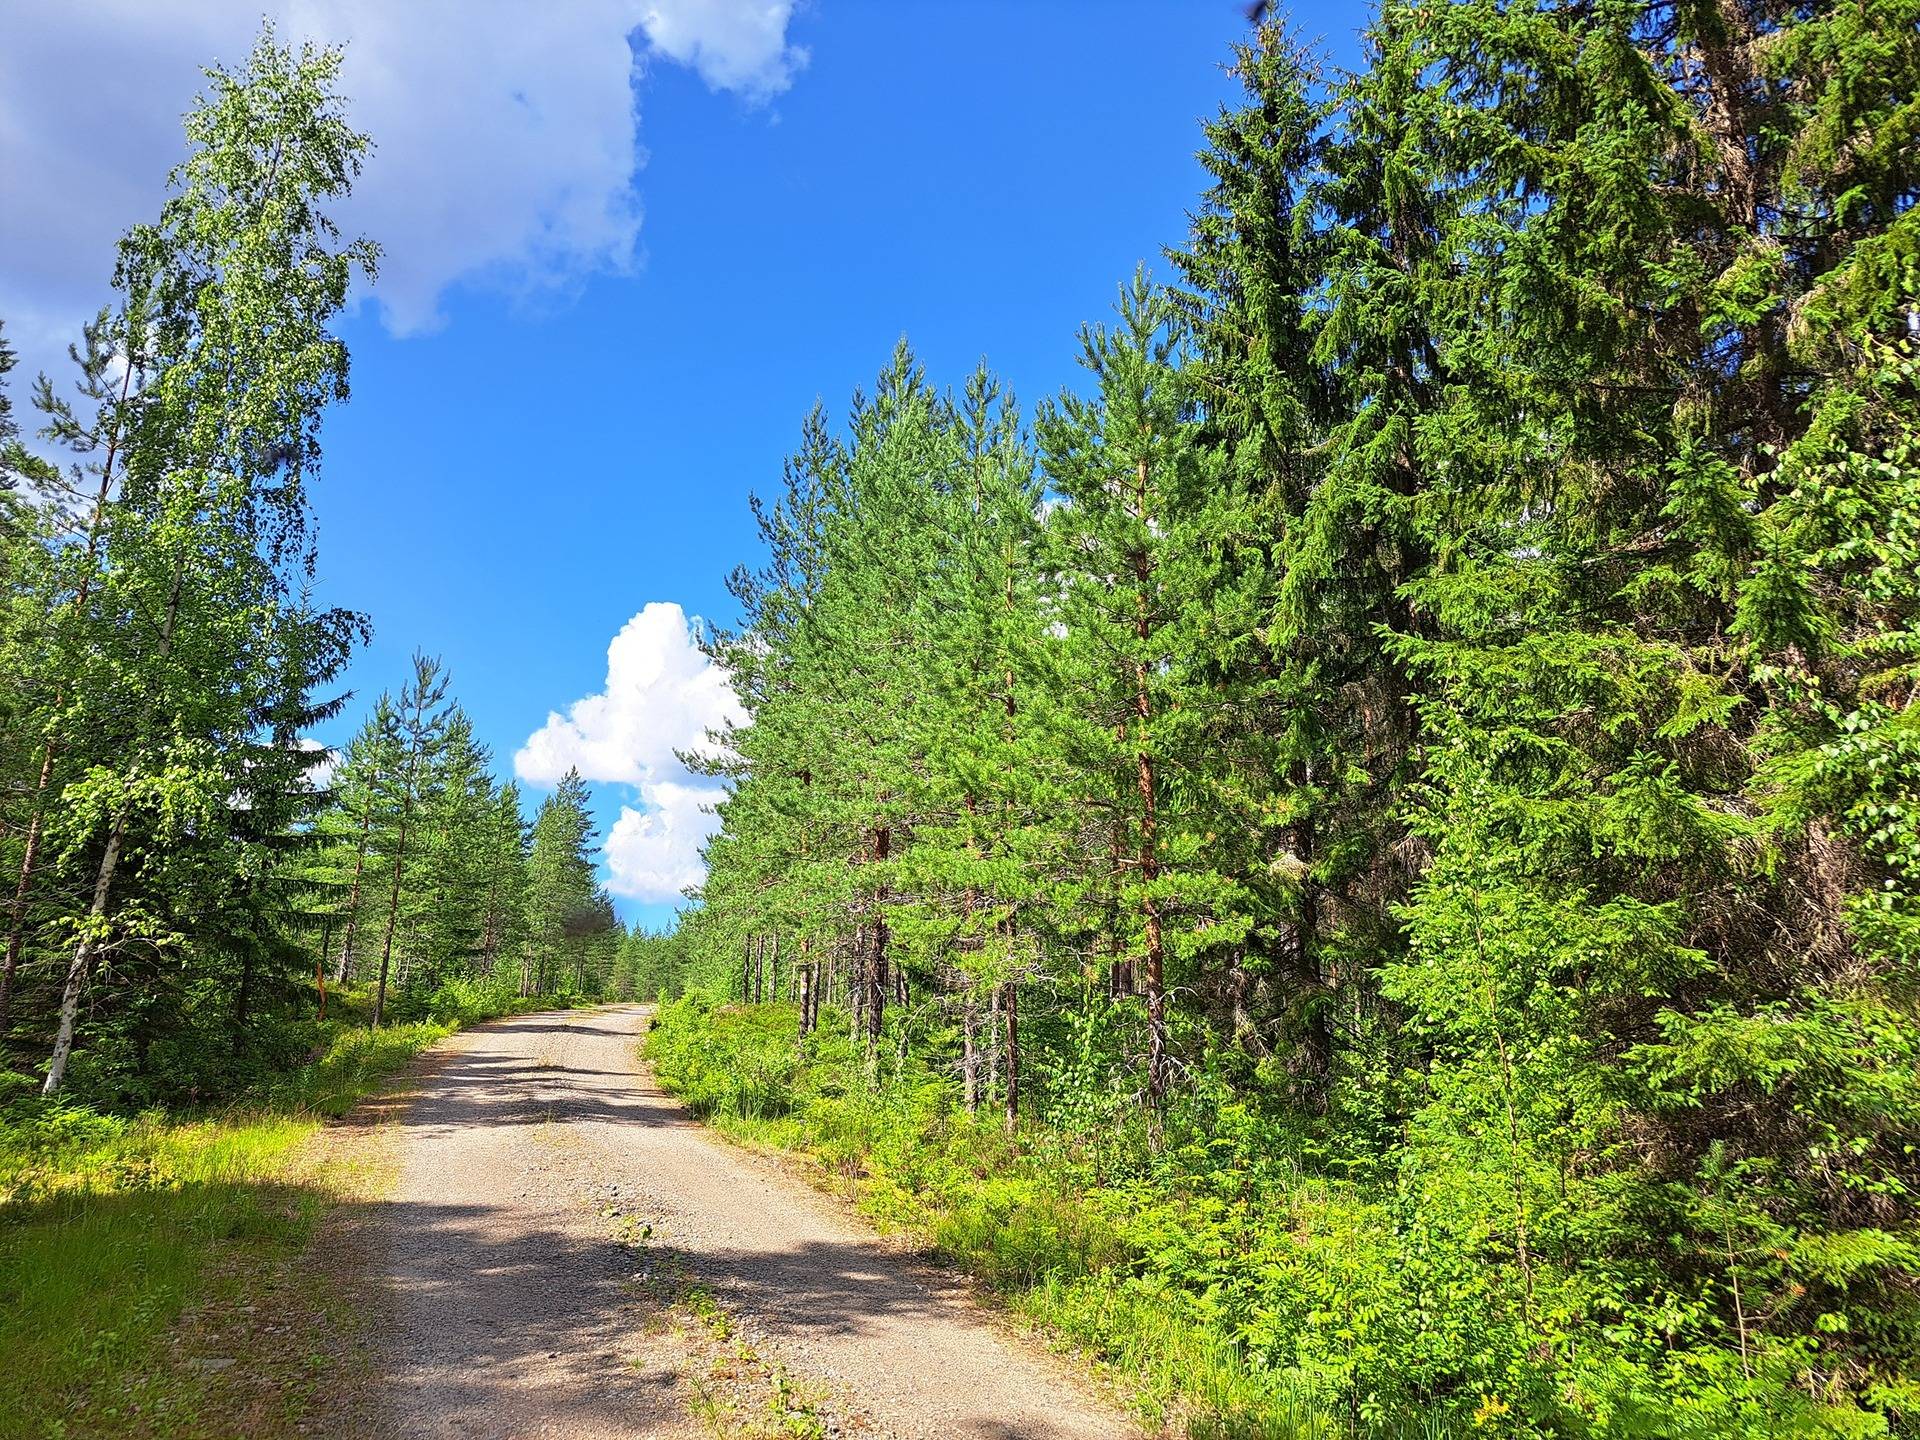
(111, 1227)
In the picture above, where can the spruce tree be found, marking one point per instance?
(562, 899)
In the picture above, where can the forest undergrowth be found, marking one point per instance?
(1159, 1260)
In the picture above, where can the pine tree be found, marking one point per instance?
(503, 847)
(562, 898)
(420, 725)
(1139, 491)
(987, 790)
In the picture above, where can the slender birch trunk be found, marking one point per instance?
(96, 924)
(50, 750)
(83, 954)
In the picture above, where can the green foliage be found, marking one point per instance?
(1402, 794)
(1404, 790)
(184, 883)
(572, 936)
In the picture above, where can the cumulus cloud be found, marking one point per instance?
(654, 854)
(662, 696)
(735, 46)
(662, 699)
(507, 134)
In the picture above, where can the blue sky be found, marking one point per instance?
(578, 436)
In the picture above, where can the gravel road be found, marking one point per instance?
(514, 1309)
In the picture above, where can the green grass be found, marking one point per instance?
(113, 1227)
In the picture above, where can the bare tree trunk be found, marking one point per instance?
(393, 909)
(993, 1048)
(1010, 1001)
(83, 957)
(856, 983)
(1121, 972)
(1149, 854)
(970, 1052)
(877, 954)
(803, 982)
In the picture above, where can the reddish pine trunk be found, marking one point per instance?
(877, 953)
(1149, 852)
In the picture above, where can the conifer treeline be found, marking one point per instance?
(1447, 689)
(426, 875)
(178, 883)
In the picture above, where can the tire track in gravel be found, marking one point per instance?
(513, 1309)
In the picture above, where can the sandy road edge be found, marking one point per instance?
(318, 1370)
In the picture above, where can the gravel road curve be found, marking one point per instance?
(513, 1310)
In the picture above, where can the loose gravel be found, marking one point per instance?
(546, 1185)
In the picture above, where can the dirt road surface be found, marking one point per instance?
(517, 1310)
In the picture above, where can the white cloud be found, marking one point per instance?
(662, 698)
(654, 854)
(735, 46)
(320, 777)
(507, 134)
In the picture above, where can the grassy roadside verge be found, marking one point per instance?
(1086, 1243)
(113, 1228)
